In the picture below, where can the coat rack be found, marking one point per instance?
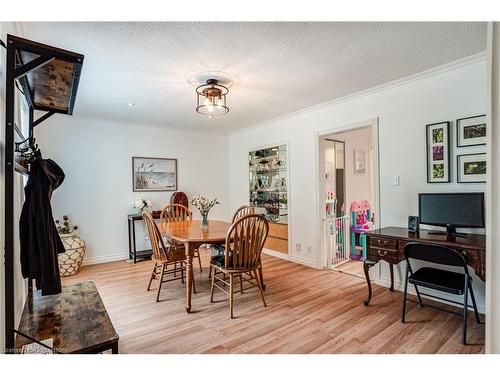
(48, 78)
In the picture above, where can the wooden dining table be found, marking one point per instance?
(192, 236)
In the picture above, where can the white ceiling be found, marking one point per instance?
(277, 68)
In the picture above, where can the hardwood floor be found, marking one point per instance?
(352, 267)
(309, 311)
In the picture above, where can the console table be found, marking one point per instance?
(132, 249)
(388, 244)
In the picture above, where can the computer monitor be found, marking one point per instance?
(452, 210)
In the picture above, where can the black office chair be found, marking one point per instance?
(437, 279)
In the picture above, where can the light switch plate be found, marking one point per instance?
(396, 181)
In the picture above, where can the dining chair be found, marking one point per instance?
(163, 256)
(457, 283)
(246, 238)
(218, 249)
(177, 213)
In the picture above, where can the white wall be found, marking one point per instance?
(403, 109)
(96, 156)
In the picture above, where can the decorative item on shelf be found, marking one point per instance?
(204, 206)
(211, 98)
(471, 131)
(71, 260)
(141, 204)
(471, 168)
(438, 152)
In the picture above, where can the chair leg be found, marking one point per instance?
(404, 297)
(231, 291)
(183, 267)
(241, 283)
(418, 295)
(161, 282)
(212, 287)
(153, 276)
(466, 310)
(259, 284)
(261, 276)
(175, 269)
(478, 320)
(199, 259)
(210, 272)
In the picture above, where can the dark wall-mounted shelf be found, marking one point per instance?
(49, 76)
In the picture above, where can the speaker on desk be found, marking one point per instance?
(413, 223)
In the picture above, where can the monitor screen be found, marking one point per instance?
(461, 210)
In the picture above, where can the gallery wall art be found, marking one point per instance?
(438, 152)
(471, 131)
(471, 168)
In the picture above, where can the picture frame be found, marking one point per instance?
(471, 168)
(471, 131)
(359, 162)
(438, 152)
(154, 174)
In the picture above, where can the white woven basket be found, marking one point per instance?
(71, 260)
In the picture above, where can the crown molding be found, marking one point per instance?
(457, 64)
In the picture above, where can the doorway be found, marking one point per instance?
(348, 173)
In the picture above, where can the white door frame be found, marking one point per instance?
(322, 259)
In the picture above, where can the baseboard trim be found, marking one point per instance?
(104, 259)
(291, 258)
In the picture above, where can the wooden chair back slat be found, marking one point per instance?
(242, 211)
(157, 245)
(246, 238)
(175, 213)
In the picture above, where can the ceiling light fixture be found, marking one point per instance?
(211, 99)
(130, 104)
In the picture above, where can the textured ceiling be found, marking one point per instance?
(277, 68)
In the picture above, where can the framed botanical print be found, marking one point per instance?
(471, 168)
(154, 174)
(471, 131)
(438, 152)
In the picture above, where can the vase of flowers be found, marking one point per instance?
(71, 260)
(141, 204)
(204, 205)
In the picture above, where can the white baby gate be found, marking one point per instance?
(337, 240)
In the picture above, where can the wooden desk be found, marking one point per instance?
(132, 248)
(190, 234)
(75, 319)
(388, 244)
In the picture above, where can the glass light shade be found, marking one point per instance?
(211, 98)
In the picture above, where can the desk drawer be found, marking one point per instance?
(384, 243)
(377, 253)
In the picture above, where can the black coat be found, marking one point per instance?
(40, 242)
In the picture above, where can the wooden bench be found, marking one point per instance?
(76, 320)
